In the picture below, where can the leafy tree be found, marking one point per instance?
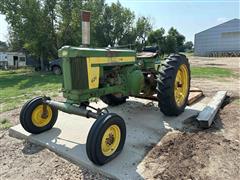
(115, 25)
(157, 38)
(173, 33)
(97, 8)
(32, 24)
(3, 46)
(41, 27)
(143, 28)
(188, 46)
(69, 23)
(14, 41)
(171, 43)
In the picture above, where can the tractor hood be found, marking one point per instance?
(69, 51)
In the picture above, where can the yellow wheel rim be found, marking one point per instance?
(111, 140)
(181, 85)
(37, 118)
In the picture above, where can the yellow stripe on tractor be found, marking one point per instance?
(94, 69)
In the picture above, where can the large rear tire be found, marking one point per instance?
(113, 100)
(173, 84)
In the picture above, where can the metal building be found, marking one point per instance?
(222, 39)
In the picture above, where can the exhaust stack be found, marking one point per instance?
(86, 15)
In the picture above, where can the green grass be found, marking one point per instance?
(17, 86)
(5, 124)
(211, 72)
(236, 101)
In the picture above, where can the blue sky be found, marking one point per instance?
(188, 16)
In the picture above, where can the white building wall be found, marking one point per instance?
(9, 57)
(3, 56)
(224, 37)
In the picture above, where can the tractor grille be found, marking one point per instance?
(79, 74)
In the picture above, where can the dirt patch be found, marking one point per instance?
(201, 154)
(224, 62)
(211, 86)
(12, 116)
(22, 160)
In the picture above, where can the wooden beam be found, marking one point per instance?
(194, 96)
(206, 116)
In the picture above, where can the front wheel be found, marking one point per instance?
(173, 85)
(32, 118)
(106, 138)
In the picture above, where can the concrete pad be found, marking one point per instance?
(146, 125)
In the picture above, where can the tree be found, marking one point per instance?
(143, 28)
(174, 34)
(170, 44)
(3, 46)
(157, 38)
(97, 8)
(14, 41)
(41, 27)
(114, 25)
(69, 23)
(32, 25)
(188, 46)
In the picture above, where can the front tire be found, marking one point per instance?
(106, 138)
(173, 85)
(31, 116)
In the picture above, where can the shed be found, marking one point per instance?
(13, 59)
(223, 38)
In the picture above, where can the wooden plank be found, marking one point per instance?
(207, 115)
(195, 89)
(194, 96)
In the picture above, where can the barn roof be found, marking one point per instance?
(235, 20)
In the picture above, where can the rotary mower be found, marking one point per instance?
(111, 75)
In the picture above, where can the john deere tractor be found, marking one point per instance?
(111, 75)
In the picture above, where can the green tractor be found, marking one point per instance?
(111, 75)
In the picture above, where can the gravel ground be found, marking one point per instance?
(199, 154)
(23, 160)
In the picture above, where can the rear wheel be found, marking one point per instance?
(106, 138)
(113, 99)
(173, 85)
(32, 118)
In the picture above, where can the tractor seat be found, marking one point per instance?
(147, 54)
